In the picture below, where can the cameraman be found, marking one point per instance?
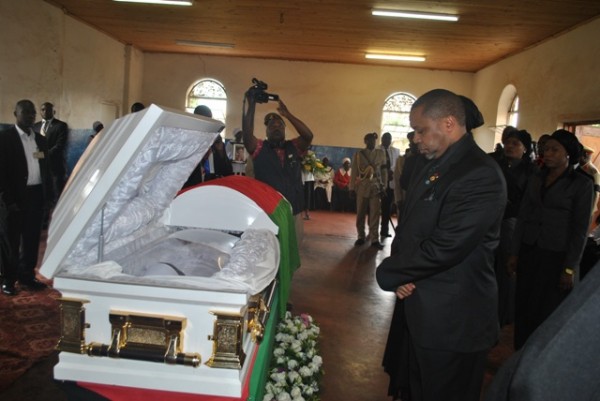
(276, 161)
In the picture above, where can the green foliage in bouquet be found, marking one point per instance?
(311, 163)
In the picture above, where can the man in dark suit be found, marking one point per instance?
(56, 133)
(22, 184)
(443, 268)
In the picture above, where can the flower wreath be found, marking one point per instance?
(296, 368)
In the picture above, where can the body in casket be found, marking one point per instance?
(161, 290)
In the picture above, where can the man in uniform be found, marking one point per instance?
(368, 183)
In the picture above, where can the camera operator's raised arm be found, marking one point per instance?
(277, 161)
(306, 135)
(248, 122)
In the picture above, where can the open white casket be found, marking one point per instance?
(159, 291)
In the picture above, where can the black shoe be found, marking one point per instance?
(9, 289)
(33, 285)
(359, 242)
(377, 244)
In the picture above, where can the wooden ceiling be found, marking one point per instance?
(338, 30)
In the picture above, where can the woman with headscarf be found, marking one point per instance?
(517, 169)
(341, 182)
(550, 234)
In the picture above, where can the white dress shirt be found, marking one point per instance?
(34, 176)
(393, 154)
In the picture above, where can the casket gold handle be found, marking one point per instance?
(146, 338)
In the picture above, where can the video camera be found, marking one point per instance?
(258, 91)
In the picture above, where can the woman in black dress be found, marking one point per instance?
(517, 167)
(550, 234)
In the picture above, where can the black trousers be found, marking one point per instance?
(444, 375)
(58, 180)
(386, 211)
(24, 232)
(537, 293)
(309, 188)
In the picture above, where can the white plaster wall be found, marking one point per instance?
(31, 42)
(340, 103)
(48, 56)
(557, 81)
(134, 70)
(94, 75)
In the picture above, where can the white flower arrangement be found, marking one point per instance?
(296, 368)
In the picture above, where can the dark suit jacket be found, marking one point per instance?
(556, 218)
(13, 167)
(446, 240)
(56, 138)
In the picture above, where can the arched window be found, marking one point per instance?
(210, 93)
(513, 112)
(395, 118)
(507, 113)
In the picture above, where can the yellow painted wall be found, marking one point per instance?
(340, 103)
(557, 81)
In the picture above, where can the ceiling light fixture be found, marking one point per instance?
(394, 57)
(166, 2)
(204, 44)
(415, 15)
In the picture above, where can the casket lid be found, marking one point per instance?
(104, 166)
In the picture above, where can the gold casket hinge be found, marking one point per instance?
(258, 312)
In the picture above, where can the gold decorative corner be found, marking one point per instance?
(73, 325)
(227, 341)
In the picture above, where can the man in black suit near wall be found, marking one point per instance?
(56, 133)
(443, 268)
(23, 181)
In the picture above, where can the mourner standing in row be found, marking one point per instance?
(388, 202)
(23, 179)
(367, 183)
(518, 167)
(550, 234)
(341, 189)
(443, 269)
(57, 134)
